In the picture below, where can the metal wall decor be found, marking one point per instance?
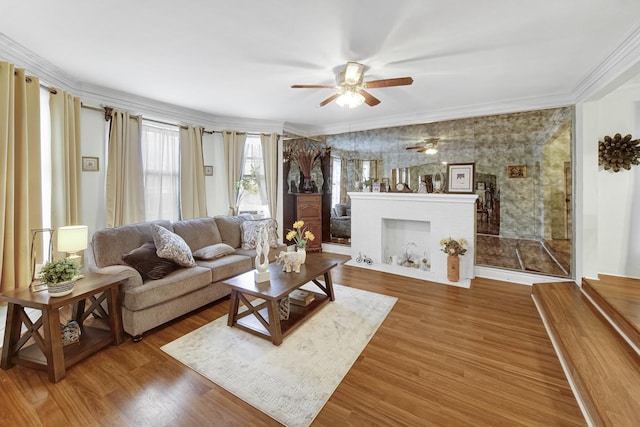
(618, 152)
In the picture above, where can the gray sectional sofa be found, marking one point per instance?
(157, 290)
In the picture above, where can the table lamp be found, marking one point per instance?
(72, 239)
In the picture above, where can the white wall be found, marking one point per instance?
(93, 135)
(216, 185)
(608, 241)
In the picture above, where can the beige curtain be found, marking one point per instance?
(125, 183)
(270, 156)
(193, 195)
(21, 196)
(65, 159)
(234, 153)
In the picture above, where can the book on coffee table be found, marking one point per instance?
(301, 297)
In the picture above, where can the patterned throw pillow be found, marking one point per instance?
(171, 246)
(213, 251)
(150, 266)
(250, 230)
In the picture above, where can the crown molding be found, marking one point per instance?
(101, 96)
(34, 64)
(488, 109)
(154, 109)
(620, 65)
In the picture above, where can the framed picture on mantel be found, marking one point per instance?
(461, 178)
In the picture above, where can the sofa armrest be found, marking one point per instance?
(135, 279)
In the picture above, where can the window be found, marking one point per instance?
(252, 194)
(161, 169)
(336, 179)
(366, 170)
(45, 170)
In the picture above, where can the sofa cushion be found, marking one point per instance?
(173, 285)
(229, 227)
(150, 266)
(198, 232)
(227, 266)
(251, 229)
(213, 251)
(171, 246)
(110, 244)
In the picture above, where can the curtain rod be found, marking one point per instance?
(103, 109)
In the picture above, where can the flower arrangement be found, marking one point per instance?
(300, 235)
(59, 271)
(453, 247)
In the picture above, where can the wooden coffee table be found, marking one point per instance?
(263, 319)
(41, 346)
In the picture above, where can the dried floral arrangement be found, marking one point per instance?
(453, 247)
(305, 155)
(618, 152)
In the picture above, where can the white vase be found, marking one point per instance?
(302, 252)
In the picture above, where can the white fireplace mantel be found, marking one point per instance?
(443, 215)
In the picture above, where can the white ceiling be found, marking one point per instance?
(239, 58)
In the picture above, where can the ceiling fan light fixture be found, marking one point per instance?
(353, 73)
(431, 151)
(350, 98)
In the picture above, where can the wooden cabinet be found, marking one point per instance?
(309, 210)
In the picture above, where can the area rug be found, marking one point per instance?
(291, 382)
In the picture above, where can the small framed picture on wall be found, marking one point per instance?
(208, 170)
(90, 164)
(460, 178)
(518, 171)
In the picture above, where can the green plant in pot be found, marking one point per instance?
(58, 276)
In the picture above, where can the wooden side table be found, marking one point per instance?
(40, 347)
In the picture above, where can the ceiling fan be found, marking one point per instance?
(429, 146)
(351, 87)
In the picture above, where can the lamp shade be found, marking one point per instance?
(72, 238)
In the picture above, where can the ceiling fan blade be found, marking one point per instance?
(415, 147)
(371, 100)
(312, 87)
(400, 81)
(329, 99)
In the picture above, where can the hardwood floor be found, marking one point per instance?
(445, 356)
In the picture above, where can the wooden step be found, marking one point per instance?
(603, 368)
(619, 298)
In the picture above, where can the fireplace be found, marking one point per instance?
(405, 243)
(389, 229)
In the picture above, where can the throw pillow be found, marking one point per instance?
(250, 230)
(213, 251)
(229, 227)
(172, 247)
(150, 266)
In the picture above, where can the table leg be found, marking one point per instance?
(53, 345)
(11, 335)
(233, 308)
(115, 316)
(274, 322)
(329, 284)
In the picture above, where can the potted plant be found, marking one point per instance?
(58, 276)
